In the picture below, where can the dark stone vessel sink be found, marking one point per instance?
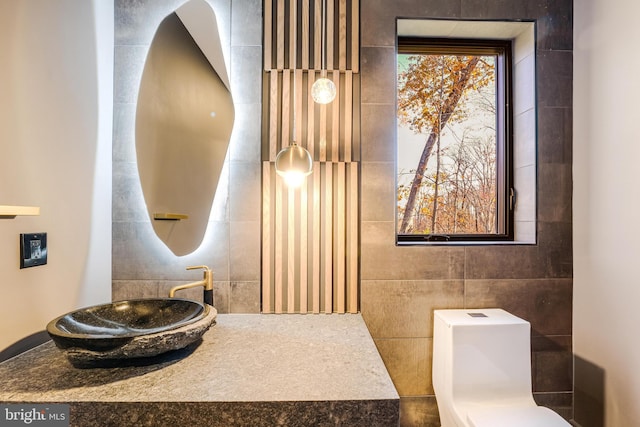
(130, 329)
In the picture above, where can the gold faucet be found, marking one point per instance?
(206, 283)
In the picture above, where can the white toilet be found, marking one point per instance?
(482, 371)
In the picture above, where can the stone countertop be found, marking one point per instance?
(245, 358)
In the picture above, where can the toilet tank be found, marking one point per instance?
(481, 355)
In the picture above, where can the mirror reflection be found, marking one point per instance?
(184, 120)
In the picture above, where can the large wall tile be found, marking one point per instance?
(244, 250)
(555, 78)
(244, 191)
(555, 206)
(493, 9)
(378, 136)
(383, 260)
(546, 304)
(246, 23)
(405, 308)
(552, 363)
(244, 297)
(246, 74)
(555, 133)
(419, 412)
(124, 145)
(408, 361)
(554, 21)
(378, 17)
(378, 192)
(128, 66)
(378, 68)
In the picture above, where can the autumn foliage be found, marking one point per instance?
(450, 100)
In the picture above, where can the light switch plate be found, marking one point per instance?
(33, 249)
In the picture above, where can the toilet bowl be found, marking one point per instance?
(482, 371)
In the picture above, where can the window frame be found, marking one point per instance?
(503, 49)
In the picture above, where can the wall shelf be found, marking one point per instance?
(13, 211)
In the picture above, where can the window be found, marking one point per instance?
(454, 154)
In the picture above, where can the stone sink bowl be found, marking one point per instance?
(131, 329)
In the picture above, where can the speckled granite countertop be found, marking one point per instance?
(249, 369)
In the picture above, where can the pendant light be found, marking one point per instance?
(294, 163)
(323, 90)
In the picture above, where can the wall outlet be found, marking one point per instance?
(33, 249)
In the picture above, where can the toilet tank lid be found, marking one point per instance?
(480, 316)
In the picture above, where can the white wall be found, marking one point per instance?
(56, 97)
(607, 199)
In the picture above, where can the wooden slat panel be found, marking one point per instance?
(352, 237)
(348, 116)
(280, 35)
(328, 239)
(266, 238)
(342, 35)
(291, 250)
(278, 255)
(339, 240)
(315, 268)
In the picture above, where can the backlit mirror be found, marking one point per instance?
(184, 120)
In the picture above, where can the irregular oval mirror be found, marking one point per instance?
(184, 120)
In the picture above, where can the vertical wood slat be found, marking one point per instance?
(273, 115)
(352, 237)
(348, 116)
(310, 116)
(267, 237)
(280, 35)
(328, 239)
(355, 36)
(315, 245)
(298, 106)
(291, 249)
(304, 242)
(342, 35)
(317, 34)
(285, 128)
(336, 106)
(293, 34)
(304, 34)
(268, 32)
(330, 34)
(322, 135)
(278, 255)
(340, 240)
